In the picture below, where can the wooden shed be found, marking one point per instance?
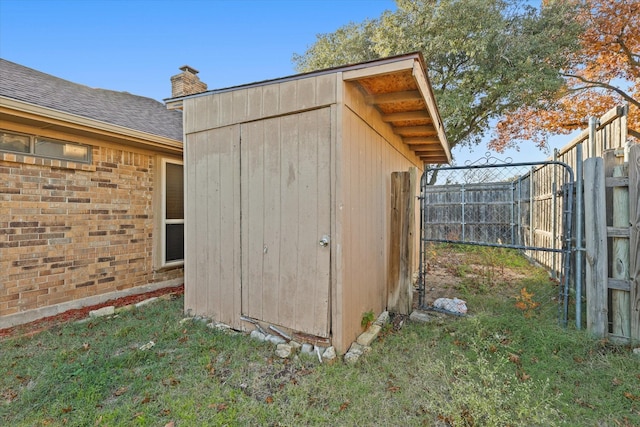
(288, 194)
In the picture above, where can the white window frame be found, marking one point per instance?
(163, 214)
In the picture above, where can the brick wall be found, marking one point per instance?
(71, 230)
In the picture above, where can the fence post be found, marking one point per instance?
(634, 241)
(596, 246)
(400, 290)
(578, 278)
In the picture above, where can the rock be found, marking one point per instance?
(274, 339)
(295, 345)
(329, 353)
(367, 337)
(147, 301)
(307, 349)
(419, 316)
(104, 311)
(357, 348)
(185, 320)
(383, 319)
(351, 357)
(147, 346)
(257, 335)
(125, 308)
(283, 350)
(222, 327)
(636, 351)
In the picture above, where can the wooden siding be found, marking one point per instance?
(212, 218)
(369, 153)
(286, 211)
(256, 102)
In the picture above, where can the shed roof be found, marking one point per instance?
(116, 108)
(399, 88)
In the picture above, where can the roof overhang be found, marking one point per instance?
(399, 88)
(12, 110)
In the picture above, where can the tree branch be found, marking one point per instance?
(620, 92)
(630, 55)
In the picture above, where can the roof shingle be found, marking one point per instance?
(117, 108)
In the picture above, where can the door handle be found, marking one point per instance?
(324, 241)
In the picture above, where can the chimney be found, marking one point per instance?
(186, 83)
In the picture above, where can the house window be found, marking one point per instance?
(44, 147)
(172, 228)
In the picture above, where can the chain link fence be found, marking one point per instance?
(527, 207)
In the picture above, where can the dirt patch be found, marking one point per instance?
(32, 328)
(450, 274)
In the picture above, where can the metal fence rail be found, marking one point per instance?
(506, 205)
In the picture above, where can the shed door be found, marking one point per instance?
(285, 170)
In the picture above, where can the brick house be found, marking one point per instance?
(90, 193)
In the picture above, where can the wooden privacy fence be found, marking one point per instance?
(612, 240)
(607, 133)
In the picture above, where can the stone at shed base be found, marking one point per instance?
(329, 353)
(636, 351)
(257, 335)
(104, 311)
(419, 316)
(368, 336)
(383, 319)
(283, 350)
(274, 339)
(307, 349)
(351, 357)
(355, 351)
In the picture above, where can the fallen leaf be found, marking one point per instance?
(393, 389)
(166, 412)
(345, 405)
(616, 381)
(523, 376)
(221, 407)
(67, 409)
(86, 346)
(120, 391)
(631, 396)
(514, 358)
(578, 359)
(170, 381)
(146, 399)
(269, 399)
(584, 404)
(170, 424)
(493, 348)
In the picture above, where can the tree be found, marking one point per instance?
(604, 72)
(485, 58)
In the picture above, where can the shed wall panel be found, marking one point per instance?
(212, 217)
(253, 103)
(368, 160)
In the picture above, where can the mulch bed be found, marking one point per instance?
(32, 328)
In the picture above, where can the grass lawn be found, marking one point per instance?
(497, 367)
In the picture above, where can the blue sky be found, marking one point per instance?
(137, 45)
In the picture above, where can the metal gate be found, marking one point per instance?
(525, 206)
